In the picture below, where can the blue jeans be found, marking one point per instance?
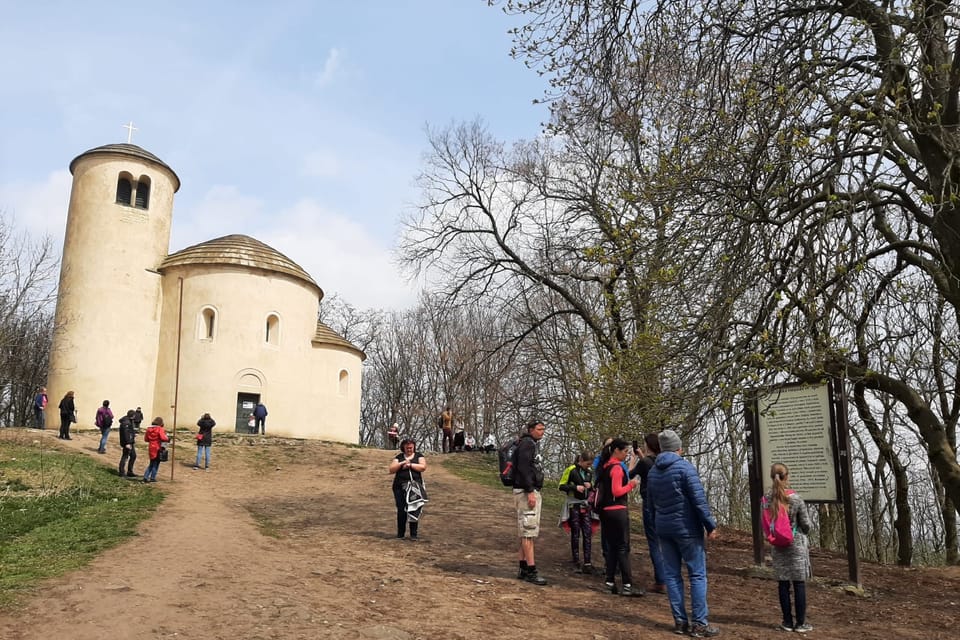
(652, 542)
(151, 472)
(203, 450)
(104, 433)
(692, 552)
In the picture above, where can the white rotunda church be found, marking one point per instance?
(213, 328)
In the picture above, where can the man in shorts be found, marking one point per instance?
(527, 483)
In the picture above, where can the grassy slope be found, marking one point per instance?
(58, 510)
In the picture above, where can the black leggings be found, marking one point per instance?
(400, 497)
(615, 529)
(799, 596)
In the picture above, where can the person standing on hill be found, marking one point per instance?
(575, 514)
(446, 429)
(260, 418)
(652, 446)
(680, 517)
(614, 486)
(104, 420)
(791, 564)
(155, 437)
(393, 436)
(204, 441)
(40, 408)
(137, 419)
(68, 415)
(407, 468)
(128, 439)
(527, 483)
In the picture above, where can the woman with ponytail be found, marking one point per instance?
(791, 564)
(614, 490)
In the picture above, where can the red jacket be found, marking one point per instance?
(154, 435)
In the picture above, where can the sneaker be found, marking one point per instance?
(681, 628)
(196, 468)
(656, 587)
(611, 587)
(631, 592)
(803, 628)
(586, 569)
(533, 577)
(703, 631)
(785, 627)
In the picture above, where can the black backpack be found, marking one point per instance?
(506, 454)
(106, 421)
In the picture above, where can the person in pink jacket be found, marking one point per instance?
(155, 437)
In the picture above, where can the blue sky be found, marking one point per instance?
(299, 123)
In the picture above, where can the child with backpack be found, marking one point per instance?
(786, 525)
(576, 515)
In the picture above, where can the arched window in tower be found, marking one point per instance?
(344, 382)
(143, 193)
(207, 324)
(272, 334)
(124, 189)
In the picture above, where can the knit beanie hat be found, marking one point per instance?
(669, 440)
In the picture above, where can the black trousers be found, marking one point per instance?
(129, 457)
(65, 420)
(615, 528)
(400, 497)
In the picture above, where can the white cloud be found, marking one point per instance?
(340, 255)
(39, 208)
(331, 68)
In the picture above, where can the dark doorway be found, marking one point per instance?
(246, 402)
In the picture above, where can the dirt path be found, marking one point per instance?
(203, 567)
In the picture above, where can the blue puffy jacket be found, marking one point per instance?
(679, 503)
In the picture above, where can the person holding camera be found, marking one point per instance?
(407, 468)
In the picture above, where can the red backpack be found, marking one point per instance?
(778, 531)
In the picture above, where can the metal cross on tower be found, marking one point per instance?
(130, 129)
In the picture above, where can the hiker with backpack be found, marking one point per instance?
(613, 493)
(786, 525)
(576, 516)
(409, 493)
(527, 483)
(104, 420)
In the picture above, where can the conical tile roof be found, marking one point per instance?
(242, 251)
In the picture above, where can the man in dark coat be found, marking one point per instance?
(527, 483)
(128, 439)
(260, 416)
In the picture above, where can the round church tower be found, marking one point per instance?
(109, 300)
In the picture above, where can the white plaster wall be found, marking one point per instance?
(108, 306)
(295, 376)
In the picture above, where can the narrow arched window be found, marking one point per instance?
(273, 329)
(143, 193)
(207, 324)
(344, 382)
(124, 190)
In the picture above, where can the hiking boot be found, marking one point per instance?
(703, 631)
(631, 592)
(681, 628)
(803, 628)
(533, 577)
(586, 569)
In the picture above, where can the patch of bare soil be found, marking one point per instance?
(286, 539)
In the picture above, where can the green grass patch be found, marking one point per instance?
(58, 510)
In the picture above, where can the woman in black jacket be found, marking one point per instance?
(204, 440)
(68, 415)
